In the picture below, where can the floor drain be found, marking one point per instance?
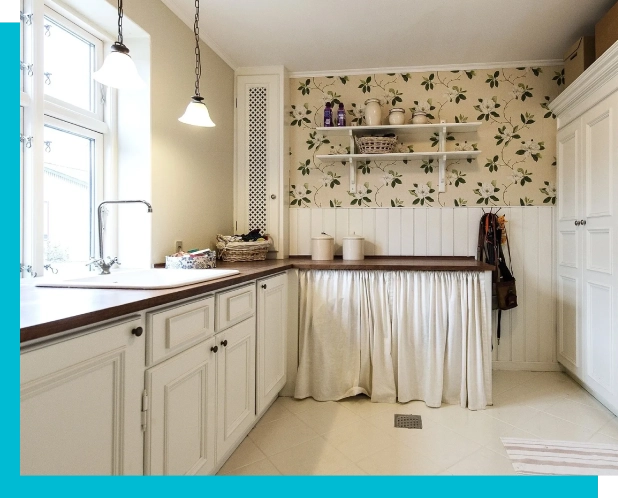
(408, 421)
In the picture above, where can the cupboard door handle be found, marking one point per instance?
(577, 223)
(214, 349)
(273, 196)
(224, 343)
(137, 331)
(263, 286)
(583, 222)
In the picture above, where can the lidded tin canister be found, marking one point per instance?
(353, 247)
(322, 247)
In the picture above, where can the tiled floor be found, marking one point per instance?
(355, 436)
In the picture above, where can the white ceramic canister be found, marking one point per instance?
(322, 247)
(373, 112)
(396, 116)
(420, 117)
(353, 247)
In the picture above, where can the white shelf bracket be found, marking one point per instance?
(442, 160)
(352, 176)
(352, 163)
(442, 174)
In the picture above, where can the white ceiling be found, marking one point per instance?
(346, 35)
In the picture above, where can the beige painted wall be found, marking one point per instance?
(192, 168)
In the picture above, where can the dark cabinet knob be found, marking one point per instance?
(583, 222)
(137, 331)
(224, 343)
(214, 349)
(263, 286)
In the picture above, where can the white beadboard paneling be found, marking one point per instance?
(303, 231)
(515, 229)
(341, 229)
(460, 232)
(369, 230)
(527, 335)
(394, 232)
(381, 232)
(434, 231)
(447, 234)
(407, 231)
(294, 231)
(316, 222)
(420, 229)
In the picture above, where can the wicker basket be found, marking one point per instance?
(375, 145)
(241, 251)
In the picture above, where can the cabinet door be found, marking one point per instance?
(600, 233)
(271, 339)
(235, 385)
(80, 404)
(569, 245)
(180, 435)
(259, 120)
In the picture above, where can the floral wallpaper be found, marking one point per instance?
(516, 139)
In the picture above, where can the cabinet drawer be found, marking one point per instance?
(235, 306)
(175, 329)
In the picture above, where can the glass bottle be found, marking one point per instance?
(341, 115)
(328, 115)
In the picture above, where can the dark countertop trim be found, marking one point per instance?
(45, 311)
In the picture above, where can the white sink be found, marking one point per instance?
(140, 279)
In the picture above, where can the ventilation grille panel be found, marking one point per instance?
(258, 157)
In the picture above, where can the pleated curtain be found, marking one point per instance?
(394, 336)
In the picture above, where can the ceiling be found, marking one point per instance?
(345, 35)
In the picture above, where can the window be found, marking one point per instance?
(63, 163)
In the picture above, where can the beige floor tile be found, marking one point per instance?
(482, 462)
(599, 437)
(399, 460)
(298, 405)
(276, 411)
(362, 406)
(610, 428)
(556, 381)
(261, 468)
(516, 415)
(246, 454)
(577, 413)
(314, 457)
(546, 426)
(584, 397)
(340, 435)
(365, 443)
(503, 380)
(325, 417)
(441, 445)
(280, 435)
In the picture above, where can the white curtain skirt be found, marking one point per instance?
(394, 336)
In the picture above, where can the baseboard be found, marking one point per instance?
(531, 366)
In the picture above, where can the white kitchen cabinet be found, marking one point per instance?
(271, 339)
(235, 385)
(587, 276)
(181, 414)
(81, 401)
(261, 175)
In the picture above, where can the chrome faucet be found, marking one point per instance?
(101, 263)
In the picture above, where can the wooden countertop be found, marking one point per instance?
(45, 311)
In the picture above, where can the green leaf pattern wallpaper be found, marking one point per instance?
(517, 139)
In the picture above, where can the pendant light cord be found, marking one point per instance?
(198, 61)
(120, 15)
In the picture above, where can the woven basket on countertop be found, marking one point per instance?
(375, 145)
(241, 251)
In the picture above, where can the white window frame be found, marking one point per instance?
(40, 109)
(98, 180)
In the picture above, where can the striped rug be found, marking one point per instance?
(536, 456)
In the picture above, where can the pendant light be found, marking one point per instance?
(197, 112)
(118, 70)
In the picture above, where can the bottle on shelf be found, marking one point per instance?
(341, 115)
(328, 115)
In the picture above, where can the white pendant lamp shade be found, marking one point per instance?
(197, 114)
(118, 70)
